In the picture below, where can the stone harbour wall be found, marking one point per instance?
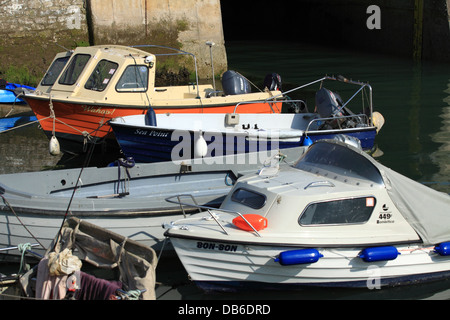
(33, 31)
(183, 24)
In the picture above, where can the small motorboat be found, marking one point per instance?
(126, 198)
(85, 87)
(335, 218)
(154, 137)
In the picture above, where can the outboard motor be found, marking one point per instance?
(329, 104)
(272, 82)
(233, 83)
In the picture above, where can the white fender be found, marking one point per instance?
(54, 146)
(378, 120)
(200, 146)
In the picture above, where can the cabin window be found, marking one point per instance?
(343, 211)
(54, 71)
(134, 78)
(74, 69)
(103, 72)
(249, 198)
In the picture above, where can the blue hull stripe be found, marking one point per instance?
(154, 145)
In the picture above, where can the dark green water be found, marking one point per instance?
(415, 140)
(413, 98)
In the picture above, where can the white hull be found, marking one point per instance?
(146, 230)
(213, 264)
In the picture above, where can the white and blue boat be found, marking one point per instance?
(154, 137)
(336, 218)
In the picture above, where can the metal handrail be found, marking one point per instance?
(338, 78)
(169, 199)
(335, 118)
(178, 52)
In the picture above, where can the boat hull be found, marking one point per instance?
(154, 144)
(76, 124)
(137, 214)
(233, 266)
(8, 95)
(41, 230)
(366, 136)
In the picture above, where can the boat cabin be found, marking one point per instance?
(125, 76)
(331, 196)
(54, 71)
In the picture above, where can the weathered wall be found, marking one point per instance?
(184, 24)
(30, 29)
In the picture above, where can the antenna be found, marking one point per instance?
(210, 44)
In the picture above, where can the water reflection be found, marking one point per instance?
(24, 149)
(410, 96)
(441, 157)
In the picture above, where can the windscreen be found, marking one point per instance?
(339, 160)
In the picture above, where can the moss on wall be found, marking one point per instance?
(25, 59)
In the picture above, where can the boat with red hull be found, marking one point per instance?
(88, 86)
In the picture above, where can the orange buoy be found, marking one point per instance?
(258, 222)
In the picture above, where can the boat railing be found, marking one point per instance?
(332, 78)
(323, 120)
(176, 52)
(25, 247)
(209, 210)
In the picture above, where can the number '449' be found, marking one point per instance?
(384, 216)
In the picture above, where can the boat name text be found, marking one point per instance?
(98, 110)
(151, 133)
(216, 246)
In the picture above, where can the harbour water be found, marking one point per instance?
(415, 141)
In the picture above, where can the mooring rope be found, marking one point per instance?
(28, 230)
(23, 248)
(86, 162)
